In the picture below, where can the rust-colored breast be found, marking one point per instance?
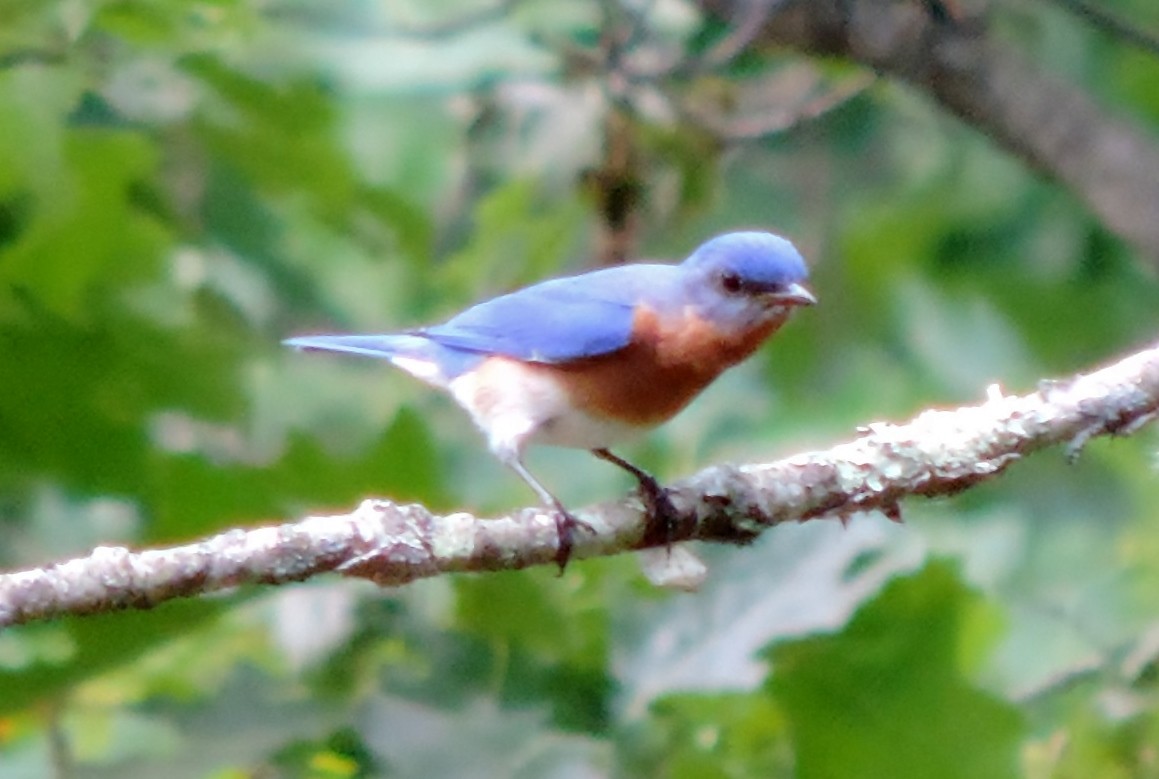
(667, 363)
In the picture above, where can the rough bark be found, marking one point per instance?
(939, 452)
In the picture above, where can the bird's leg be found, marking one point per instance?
(565, 521)
(656, 498)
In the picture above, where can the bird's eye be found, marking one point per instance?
(732, 283)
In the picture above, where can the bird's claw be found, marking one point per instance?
(565, 525)
(663, 517)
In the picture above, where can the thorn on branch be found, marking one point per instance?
(892, 512)
(1120, 424)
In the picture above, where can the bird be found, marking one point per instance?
(591, 360)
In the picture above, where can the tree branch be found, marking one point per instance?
(939, 452)
(1107, 162)
(1108, 23)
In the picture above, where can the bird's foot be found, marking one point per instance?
(664, 519)
(565, 526)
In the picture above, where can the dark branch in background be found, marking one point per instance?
(746, 26)
(743, 30)
(1110, 24)
(780, 117)
(937, 453)
(1056, 127)
(617, 186)
(630, 63)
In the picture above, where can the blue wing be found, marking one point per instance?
(559, 320)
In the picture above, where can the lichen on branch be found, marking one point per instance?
(939, 452)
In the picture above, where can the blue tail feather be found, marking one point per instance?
(409, 352)
(382, 346)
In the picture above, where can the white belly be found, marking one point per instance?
(515, 405)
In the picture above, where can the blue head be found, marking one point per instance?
(745, 279)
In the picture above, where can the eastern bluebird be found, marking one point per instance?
(587, 361)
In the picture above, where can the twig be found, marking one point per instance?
(746, 25)
(1110, 24)
(940, 452)
(779, 118)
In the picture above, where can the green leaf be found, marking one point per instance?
(690, 736)
(888, 695)
(94, 644)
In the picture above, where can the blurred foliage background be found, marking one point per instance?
(184, 183)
